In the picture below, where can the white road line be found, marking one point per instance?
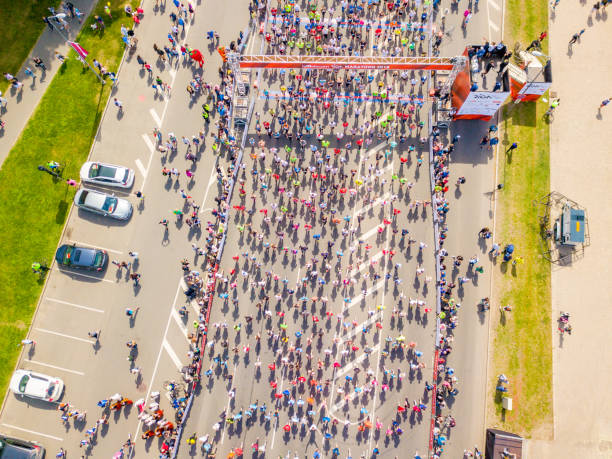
(493, 26)
(161, 348)
(227, 409)
(366, 235)
(383, 171)
(37, 434)
(494, 5)
(360, 327)
(365, 265)
(376, 149)
(183, 284)
(94, 246)
(179, 322)
(361, 297)
(149, 143)
(172, 354)
(172, 73)
(349, 367)
(141, 168)
(86, 308)
(211, 180)
(71, 273)
(35, 362)
(384, 197)
(76, 338)
(155, 117)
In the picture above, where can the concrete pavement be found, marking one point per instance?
(22, 104)
(582, 416)
(75, 303)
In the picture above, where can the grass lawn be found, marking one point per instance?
(34, 206)
(522, 339)
(21, 26)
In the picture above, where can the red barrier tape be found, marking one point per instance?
(433, 402)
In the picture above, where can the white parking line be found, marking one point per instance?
(76, 338)
(172, 354)
(155, 117)
(147, 140)
(94, 246)
(159, 353)
(86, 276)
(86, 308)
(37, 434)
(35, 362)
(141, 168)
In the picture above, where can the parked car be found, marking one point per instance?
(36, 385)
(81, 257)
(107, 174)
(14, 448)
(103, 204)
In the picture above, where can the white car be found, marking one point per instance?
(36, 385)
(103, 204)
(107, 174)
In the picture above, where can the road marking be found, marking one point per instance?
(172, 73)
(229, 401)
(87, 308)
(345, 369)
(211, 180)
(155, 117)
(161, 348)
(35, 362)
(147, 140)
(86, 276)
(183, 284)
(365, 265)
(362, 297)
(494, 5)
(382, 173)
(179, 322)
(65, 336)
(361, 326)
(141, 168)
(374, 150)
(38, 434)
(366, 235)
(172, 354)
(94, 246)
(493, 26)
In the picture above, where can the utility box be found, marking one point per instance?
(507, 403)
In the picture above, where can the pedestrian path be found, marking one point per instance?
(582, 429)
(22, 104)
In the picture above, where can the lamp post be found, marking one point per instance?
(51, 19)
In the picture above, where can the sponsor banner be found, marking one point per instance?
(482, 103)
(536, 88)
(331, 66)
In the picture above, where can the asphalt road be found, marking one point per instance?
(74, 304)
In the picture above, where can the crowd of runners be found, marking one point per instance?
(331, 207)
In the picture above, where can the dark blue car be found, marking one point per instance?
(86, 258)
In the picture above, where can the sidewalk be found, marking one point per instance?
(580, 169)
(22, 104)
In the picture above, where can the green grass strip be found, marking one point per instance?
(523, 339)
(34, 206)
(22, 25)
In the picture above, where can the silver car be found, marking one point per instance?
(103, 204)
(107, 174)
(36, 385)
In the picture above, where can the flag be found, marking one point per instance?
(82, 52)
